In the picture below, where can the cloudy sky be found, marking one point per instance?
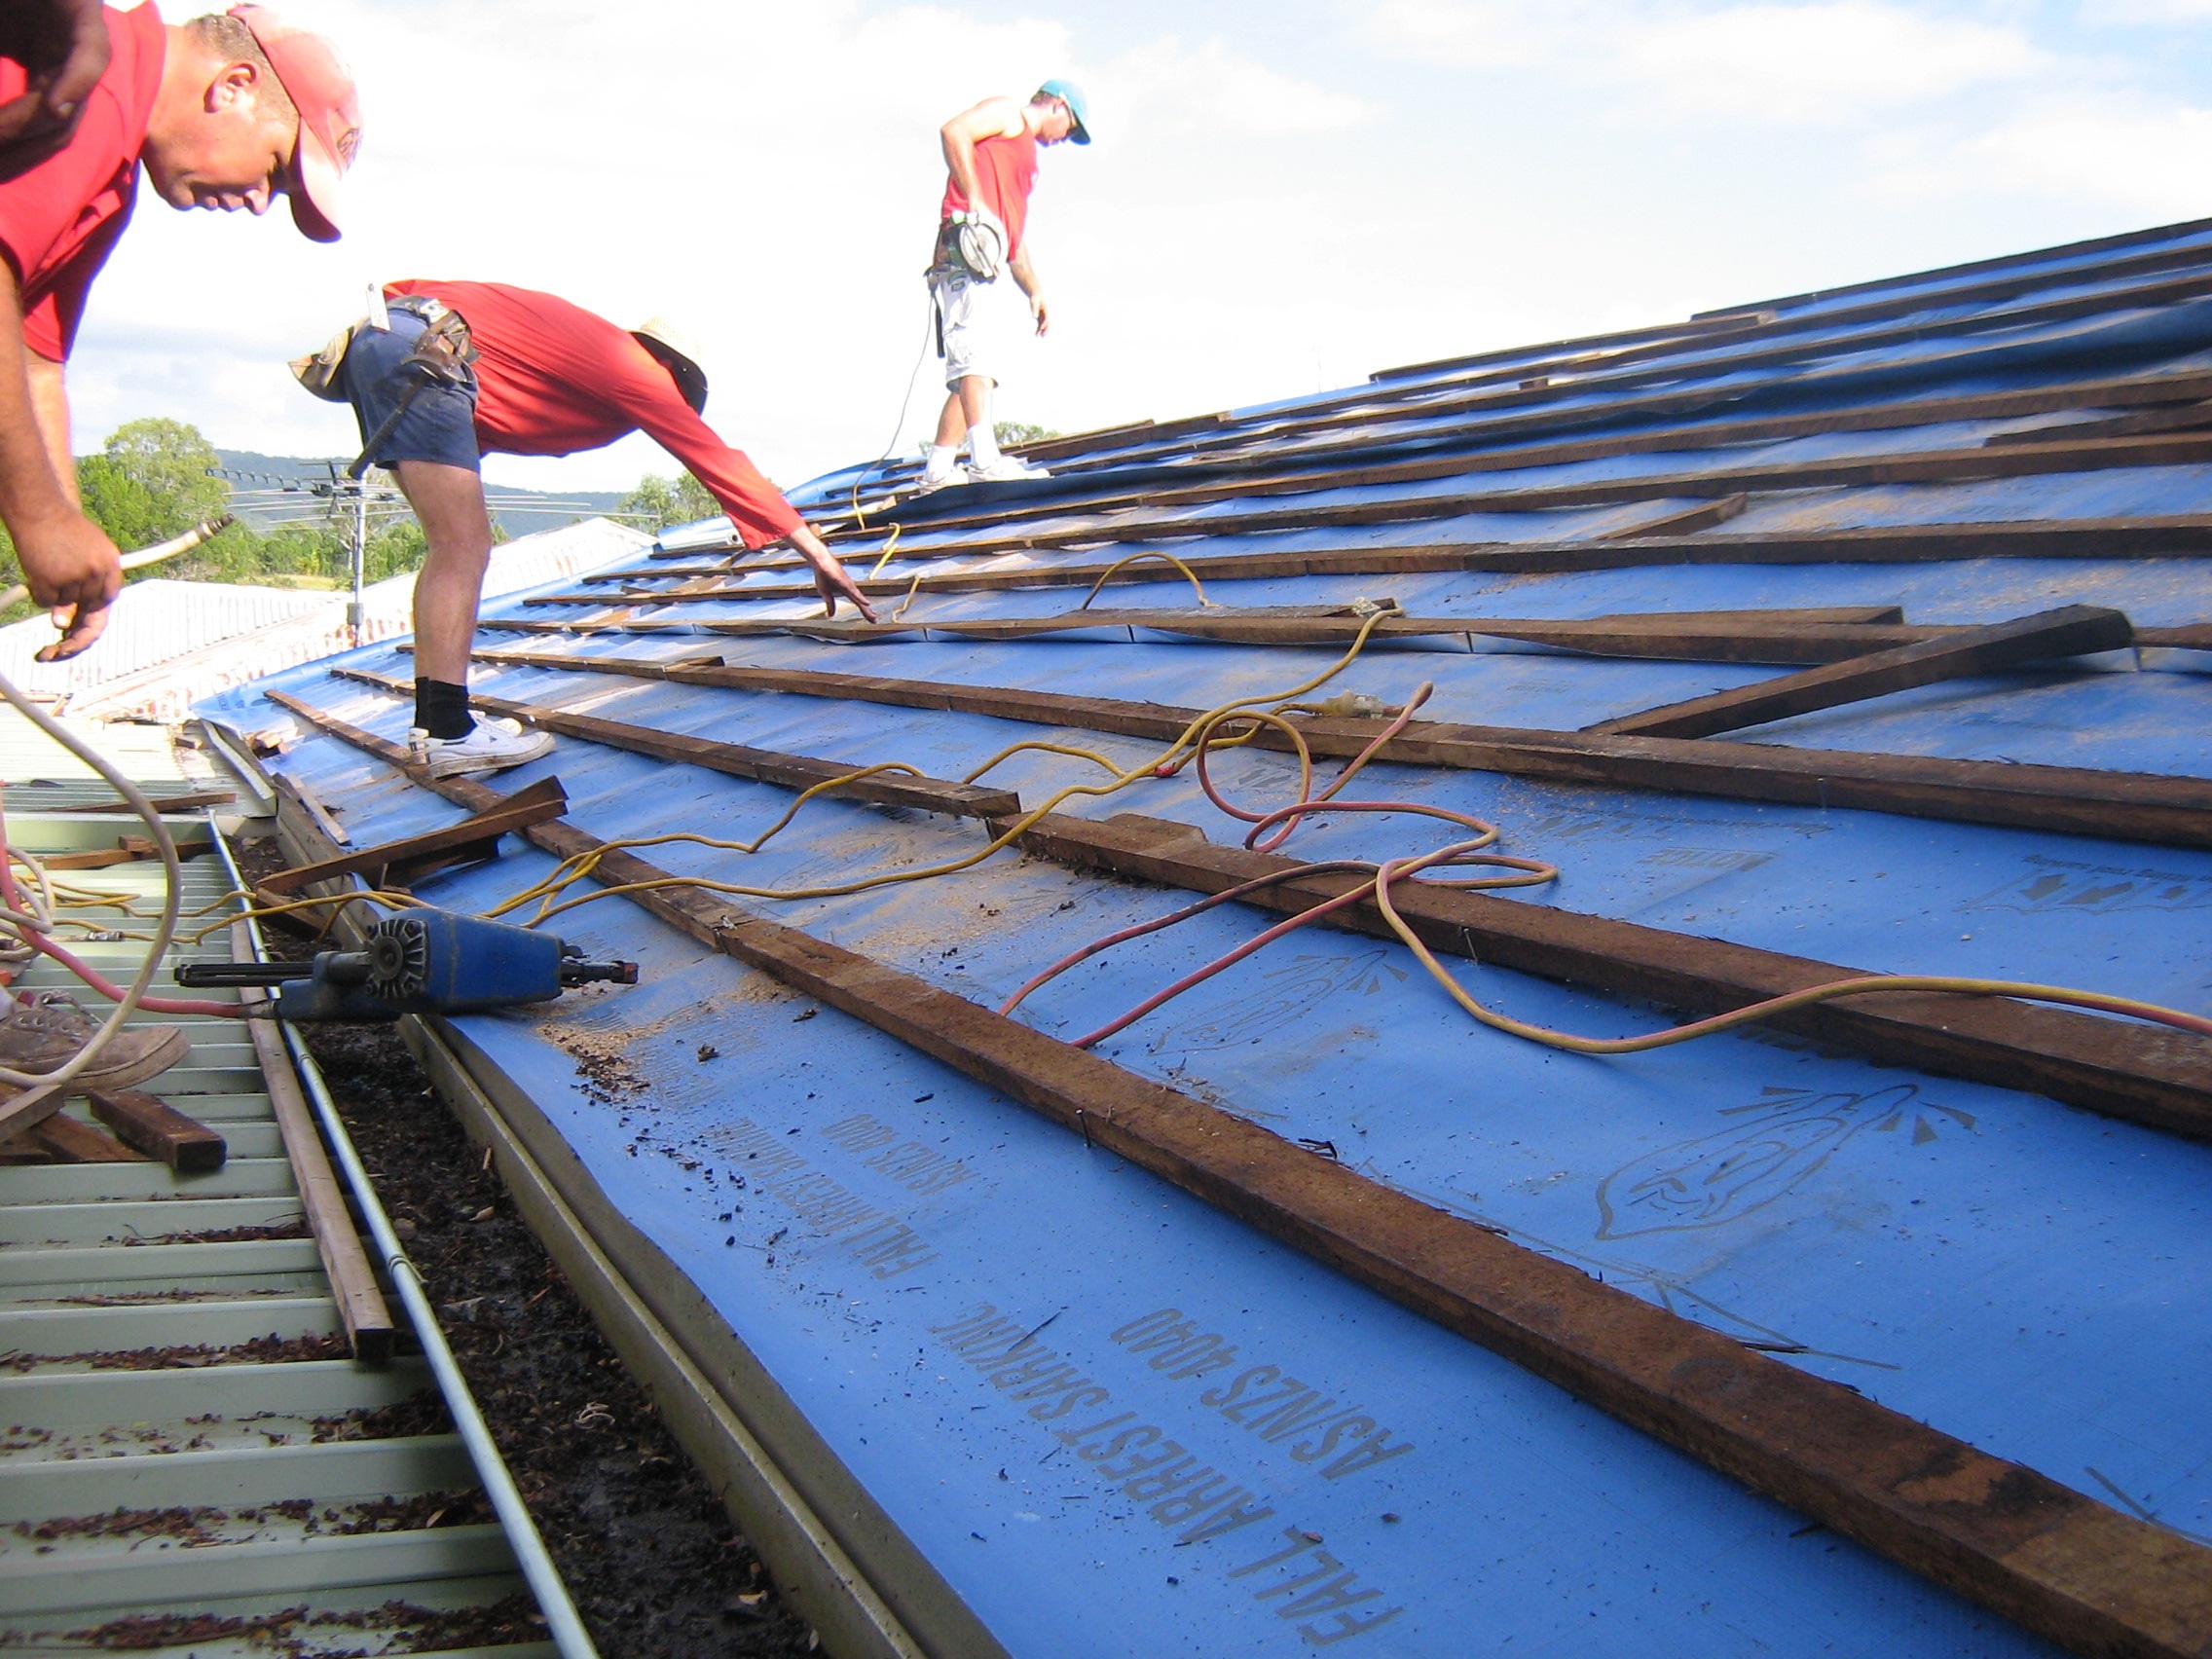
(1284, 194)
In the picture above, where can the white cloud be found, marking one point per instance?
(1252, 224)
(1828, 62)
(2148, 161)
(1815, 63)
(2153, 12)
(1165, 84)
(1481, 34)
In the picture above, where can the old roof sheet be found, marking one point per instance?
(170, 642)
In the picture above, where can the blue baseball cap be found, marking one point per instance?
(1079, 106)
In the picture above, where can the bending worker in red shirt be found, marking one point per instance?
(547, 377)
(224, 112)
(990, 158)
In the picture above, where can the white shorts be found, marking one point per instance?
(973, 324)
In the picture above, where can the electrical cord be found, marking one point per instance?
(129, 999)
(85, 899)
(1860, 985)
(1163, 764)
(912, 588)
(1282, 821)
(34, 918)
(1106, 575)
(1383, 877)
(1209, 732)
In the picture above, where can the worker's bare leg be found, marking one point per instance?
(952, 424)
(449, 740)
(449, 500)
(966, 406)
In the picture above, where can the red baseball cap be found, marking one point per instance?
(322, 88)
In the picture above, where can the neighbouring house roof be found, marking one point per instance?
(1306, 1310)
(168, 644)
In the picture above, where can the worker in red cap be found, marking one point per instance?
(225, 112)
(991, 160)
(442, 373)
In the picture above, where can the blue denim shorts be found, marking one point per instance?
(440, 423)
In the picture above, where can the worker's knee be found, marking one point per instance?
(457, 557)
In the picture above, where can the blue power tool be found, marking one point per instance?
(420, 962)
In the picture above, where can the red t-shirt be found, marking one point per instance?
(1007, 170)
(553, 379)
(59, 221)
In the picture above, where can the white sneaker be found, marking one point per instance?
(1006, 470)
(492, 747)
(957, 476)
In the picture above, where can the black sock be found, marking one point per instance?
(441, 708)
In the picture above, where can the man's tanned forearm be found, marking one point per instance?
(68, 562)
(50, 407)
(30, 488)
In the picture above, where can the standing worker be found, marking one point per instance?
(990, 156)
(520, 373)
(224, 112)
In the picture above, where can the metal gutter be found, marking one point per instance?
(569, 1636)
(569, 1639)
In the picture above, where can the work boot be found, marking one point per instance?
(493, 746)
(43, 1031)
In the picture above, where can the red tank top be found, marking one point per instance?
(1007, 170)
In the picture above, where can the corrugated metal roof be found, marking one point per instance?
(2024, 1276)
(40, 775)
(155, 621)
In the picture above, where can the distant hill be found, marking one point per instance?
(515, 511)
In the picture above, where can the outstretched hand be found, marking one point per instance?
(63, 44)
(832, 583)
(832, 580)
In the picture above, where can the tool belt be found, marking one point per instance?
(445, 348)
